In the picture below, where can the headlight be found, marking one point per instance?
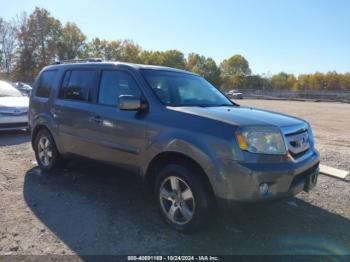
(262, 140)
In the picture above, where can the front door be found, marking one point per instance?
(119, 135)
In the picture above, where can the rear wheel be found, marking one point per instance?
(183, 198)
(46, 153)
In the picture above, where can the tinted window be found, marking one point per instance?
(113, 84)
(46, 81)
(78, 84)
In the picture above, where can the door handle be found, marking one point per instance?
(96, 119)
(55, 112)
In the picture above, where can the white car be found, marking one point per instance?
(234, 94)
(23, 88)
(13, 108)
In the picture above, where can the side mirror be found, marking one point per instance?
(129, 102)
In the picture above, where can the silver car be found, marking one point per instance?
(13, 108)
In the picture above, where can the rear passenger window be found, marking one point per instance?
(45, 84)
(78, 85)
(114, 84)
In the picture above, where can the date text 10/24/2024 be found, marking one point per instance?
(173, 258)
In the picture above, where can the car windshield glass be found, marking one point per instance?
(182, 89)
(8, 90)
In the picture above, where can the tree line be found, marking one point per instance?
(30, 42)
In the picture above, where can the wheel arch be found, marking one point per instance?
(45, 121)
(38, 128)
(168, 157)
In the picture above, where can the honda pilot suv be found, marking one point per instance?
(195, 148)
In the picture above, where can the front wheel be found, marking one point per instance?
(183, 198)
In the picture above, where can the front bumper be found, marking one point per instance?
(240, 181)
(13, 122)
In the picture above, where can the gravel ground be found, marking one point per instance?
(90, 208)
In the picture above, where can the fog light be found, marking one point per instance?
(264, 188)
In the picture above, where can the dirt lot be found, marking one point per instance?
(90, 208)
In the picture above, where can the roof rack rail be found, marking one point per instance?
(73, 61)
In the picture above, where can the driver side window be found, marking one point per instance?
(114, 84)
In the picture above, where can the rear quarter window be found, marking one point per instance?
(46, 82)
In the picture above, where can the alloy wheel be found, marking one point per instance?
(45, 152)
(177, 200)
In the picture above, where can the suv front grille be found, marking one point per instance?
(297, 140)
(298, 143)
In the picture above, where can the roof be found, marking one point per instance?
(130, 65)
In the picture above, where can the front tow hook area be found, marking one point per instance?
(310, 182)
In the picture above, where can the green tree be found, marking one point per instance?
(283, 81)
(38, 36)
(26, 64)
(205, 67)
(95, 48)
(113, 50)
(170, 58)
(130, 52)
(44, 32)
(235, 65)
(233, 72)
(345, 81)
(151, 58)
(316, 81)
(173, 58)
(255, 82)
(333, 81)
(71, 42)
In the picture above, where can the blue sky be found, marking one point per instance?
(296, 36)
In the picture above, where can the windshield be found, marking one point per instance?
(8, 90)
(181, 89)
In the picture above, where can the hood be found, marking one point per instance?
(14, 102)
(242, 116)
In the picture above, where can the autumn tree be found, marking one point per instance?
(38, 36)
(130, 52)
(235, 65)
(71, 42)
(95, 48)
(45, 32)
(283, 81)
(151, 57)
(25, 67)
(170, 58)
(205, 67)
(233, 70)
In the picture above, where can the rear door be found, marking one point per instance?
(73, 110)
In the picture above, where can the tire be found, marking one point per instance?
(46, 153)
(174, 207)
